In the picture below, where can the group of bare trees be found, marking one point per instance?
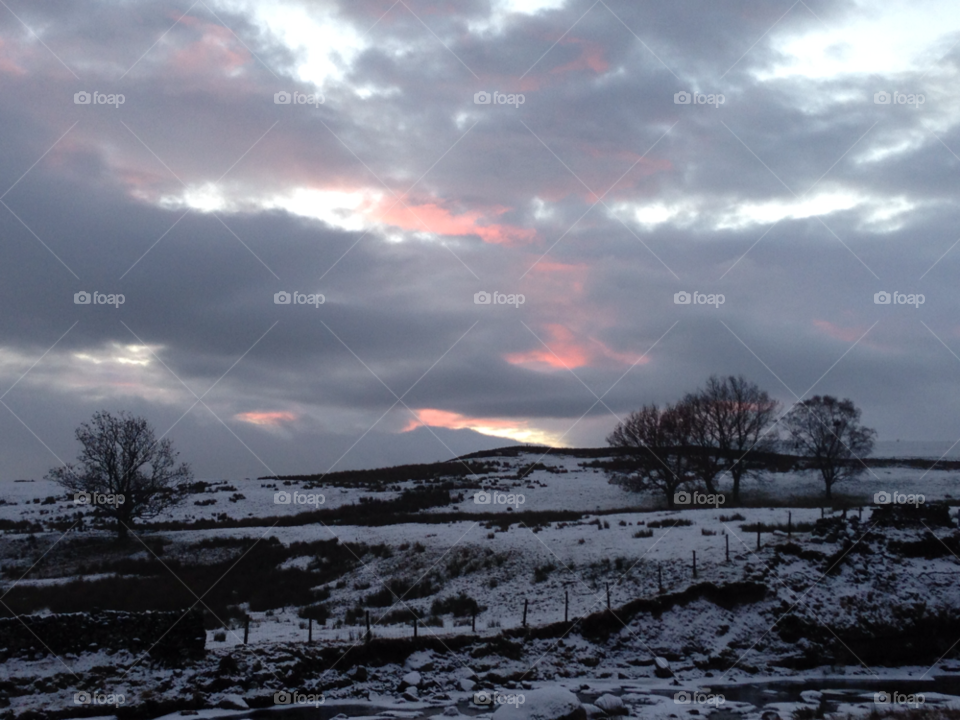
(729, 428)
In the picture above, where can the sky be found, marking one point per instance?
(486, 215)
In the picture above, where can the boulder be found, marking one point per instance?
(232, 702)
(411, 679)
(467, 685)
(611, 705)
(411, 694)
(549, 703)
(421, 660)
(661, 667)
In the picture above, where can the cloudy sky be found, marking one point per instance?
(590, 159)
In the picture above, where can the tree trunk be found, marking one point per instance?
(736, 486)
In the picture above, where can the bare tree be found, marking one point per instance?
(658, 440)
(731, 416)
(828, 432)
(123, 471)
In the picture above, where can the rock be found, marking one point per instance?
(593, 711)
(421, 660)
(233, 702)
(611, 705)
(770, 715)
(811, 696)
(411, 694)
(411, 679)
(359, 673)
(549, 703)
(466, 672)
(467, 685)
(661, 667)
(451, 711)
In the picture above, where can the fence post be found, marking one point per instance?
(860, 513)
(758, 539)
(525, 603)
(822, 514)
(727, 539)
(246, 628)
(566, 605)
(694, 564)
(414, 626)
(310, 632)
(368, 626)
(473, 623)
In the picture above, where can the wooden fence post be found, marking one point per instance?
(694, 564)
(246, 629)
(525, 603)
(727, 538)
(414, 626)
(566, 606)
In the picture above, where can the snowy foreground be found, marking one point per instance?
(846, 614)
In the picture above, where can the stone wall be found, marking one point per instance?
(162, 634)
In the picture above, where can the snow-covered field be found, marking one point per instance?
(510, 564)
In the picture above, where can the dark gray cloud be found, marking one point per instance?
(398, 198)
